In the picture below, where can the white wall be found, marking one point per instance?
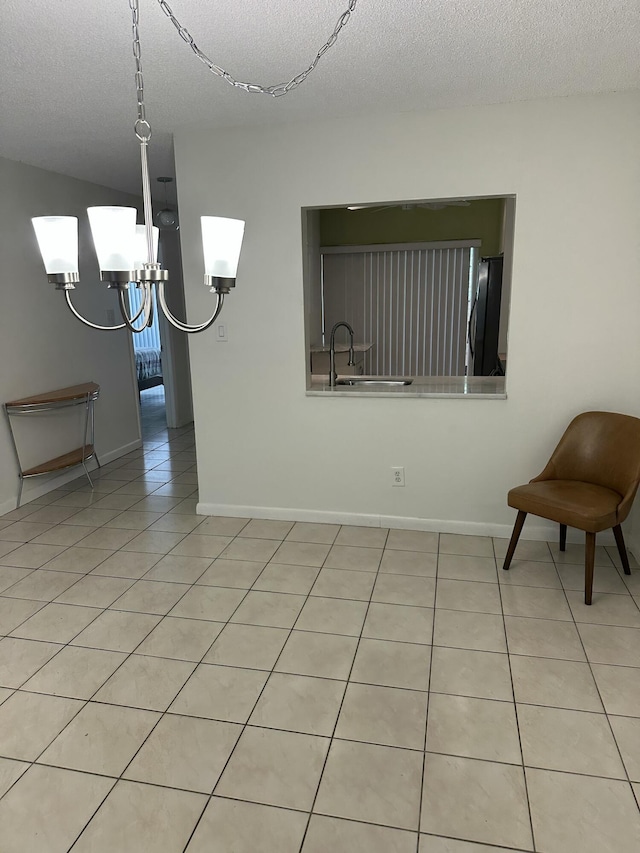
(508, 220)
(311, 266)
(175, 345)
(42, 346)
(264, 448)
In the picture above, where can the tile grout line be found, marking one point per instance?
(43, 568)
(161, 716)
(44, 603)
(270, 673)
(73, 698)
(576, 624)
(346, 687)
(87, 701)
(426, 722)
(117, 780)
(413, 750)
(77, 544)
(78, 510)
(515, 710)
(228, 622)
(606, 714)
(68, 644)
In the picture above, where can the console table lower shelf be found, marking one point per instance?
(51, 402)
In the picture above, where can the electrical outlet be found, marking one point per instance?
(221, 332)
(397, 475)
(111, 317)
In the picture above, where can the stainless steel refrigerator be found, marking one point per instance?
(484, 322)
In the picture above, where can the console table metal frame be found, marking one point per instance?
(53, 401)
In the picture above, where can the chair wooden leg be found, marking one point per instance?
(590, 556)
(517, 530)
(563, 537)
(617, 532)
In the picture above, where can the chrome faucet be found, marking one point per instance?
(333, 376)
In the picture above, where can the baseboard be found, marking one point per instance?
(276, 513)
(35, 488)
(633, 545)
(120, 451)
(534, 529)
(8, 506)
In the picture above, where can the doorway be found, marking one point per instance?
(160, 353)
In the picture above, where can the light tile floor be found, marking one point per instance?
(171, 683)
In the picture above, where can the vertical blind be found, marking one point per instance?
(410, 303)
(150, 337)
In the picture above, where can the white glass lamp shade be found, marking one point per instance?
(221, 243)
(141, 247)
(114, 236)
(57, 238)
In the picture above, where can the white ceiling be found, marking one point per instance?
(67, 96)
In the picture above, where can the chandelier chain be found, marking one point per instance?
(255, 88)
(142, 127)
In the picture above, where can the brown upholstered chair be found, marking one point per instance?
(589, 483)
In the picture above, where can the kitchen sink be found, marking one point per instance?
(374, 382)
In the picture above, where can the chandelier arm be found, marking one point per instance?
(77, 315)
(255, 88)
(146, 307)
(185, 327)
(149, 322)
(138, 313)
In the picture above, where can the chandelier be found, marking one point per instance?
(128, 253)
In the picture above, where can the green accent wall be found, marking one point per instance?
(482, 220)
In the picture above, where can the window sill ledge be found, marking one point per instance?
(448, 387)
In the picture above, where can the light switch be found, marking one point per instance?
(221, 332)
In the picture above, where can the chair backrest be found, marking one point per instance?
(601, 448)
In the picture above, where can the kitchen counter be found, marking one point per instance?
(463, 387)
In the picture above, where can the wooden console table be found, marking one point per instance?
(53, 401)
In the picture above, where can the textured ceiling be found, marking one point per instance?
(67, 98)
